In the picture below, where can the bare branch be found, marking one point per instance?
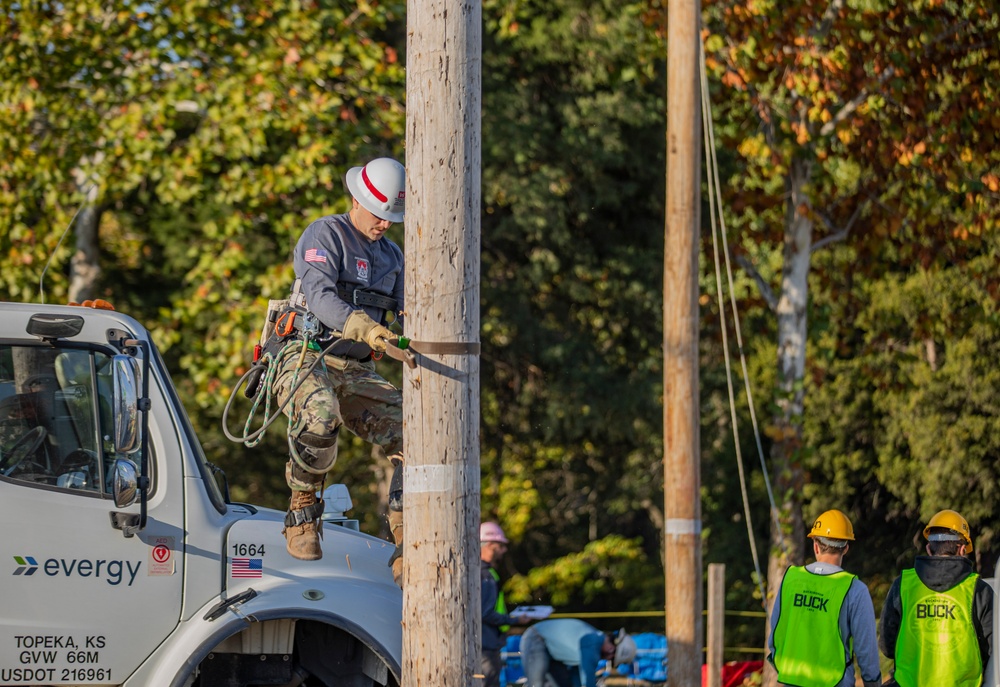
(848, 109)
(831, 13)
(836, 234)
(950, 32)
(765, 289)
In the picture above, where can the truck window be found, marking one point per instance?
(55, 417)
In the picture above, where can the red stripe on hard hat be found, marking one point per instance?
(371, 186)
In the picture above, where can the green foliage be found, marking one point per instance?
(939, 441)
(214, 135)
(612, 566)
(901, 412)
(890, 107)
(571, 280)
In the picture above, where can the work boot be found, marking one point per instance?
(304, 526)
(396, 562)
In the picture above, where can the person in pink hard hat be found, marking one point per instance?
(496, 621)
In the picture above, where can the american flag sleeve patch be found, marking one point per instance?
(315, 255)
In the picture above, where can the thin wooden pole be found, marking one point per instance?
(716, 621)
(441, 607)
(681, 464)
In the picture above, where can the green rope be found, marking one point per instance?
(265, 391)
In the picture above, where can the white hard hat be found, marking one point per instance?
(625, 648)
(490, 531)
(380, 188)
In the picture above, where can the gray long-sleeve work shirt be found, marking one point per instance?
(333, 252)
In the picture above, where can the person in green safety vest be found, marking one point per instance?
(824, 616)
(937, 621)
(496, 621)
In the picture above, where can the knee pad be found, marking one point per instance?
(396, 487)
(314, 453)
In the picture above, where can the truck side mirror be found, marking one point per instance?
(125, 485)
(126, 403)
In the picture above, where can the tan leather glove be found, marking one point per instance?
(360, 327)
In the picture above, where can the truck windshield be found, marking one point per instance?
(55, 417)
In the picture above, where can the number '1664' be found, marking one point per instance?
(248, 549)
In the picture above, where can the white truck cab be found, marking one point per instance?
(124, 562)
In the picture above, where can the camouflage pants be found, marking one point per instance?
(339, 391)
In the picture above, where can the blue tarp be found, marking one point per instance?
(651, 658)
(512, 670)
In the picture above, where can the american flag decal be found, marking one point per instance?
(315, 255)
(247, 567)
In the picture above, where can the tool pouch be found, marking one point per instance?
(274, 309)
(253, 381)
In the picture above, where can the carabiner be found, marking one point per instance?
(285, 324)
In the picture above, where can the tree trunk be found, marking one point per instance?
(85, 265)
(787, 539)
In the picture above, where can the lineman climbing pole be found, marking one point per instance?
(441, 612)
(681, 460)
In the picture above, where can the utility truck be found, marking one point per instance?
(125, 561)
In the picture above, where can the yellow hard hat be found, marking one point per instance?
(832, 525)
(949, 519)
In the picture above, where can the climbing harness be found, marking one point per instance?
(289, 328)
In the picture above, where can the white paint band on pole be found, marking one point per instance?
(679, 526)
(427, 478)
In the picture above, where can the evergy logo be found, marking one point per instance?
(25, 566)
(112, 572)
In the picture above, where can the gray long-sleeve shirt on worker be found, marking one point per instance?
(332, 253)
(856, 621)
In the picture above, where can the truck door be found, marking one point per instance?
(81, 603)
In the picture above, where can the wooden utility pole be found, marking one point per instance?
(716, 622)
(681, 460)
(441, 607)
